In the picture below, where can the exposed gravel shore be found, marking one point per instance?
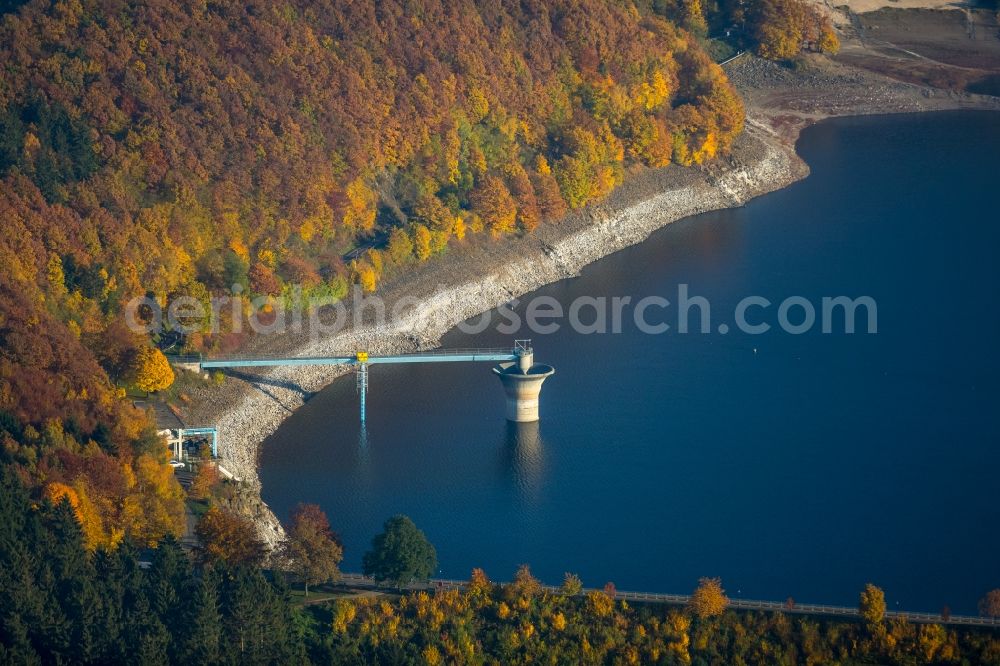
(481, 276)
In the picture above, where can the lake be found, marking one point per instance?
(800, 465)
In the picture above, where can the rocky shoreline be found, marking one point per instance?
(477, 278)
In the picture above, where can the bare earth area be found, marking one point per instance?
(870, 76)
(954, 49)
(862, 6)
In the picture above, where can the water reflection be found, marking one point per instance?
(679, 444)
(523, 458)
(362, 452)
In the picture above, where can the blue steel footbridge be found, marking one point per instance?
(516, 370)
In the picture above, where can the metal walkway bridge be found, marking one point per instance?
(360, 361)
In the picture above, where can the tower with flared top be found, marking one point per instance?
(522, 382)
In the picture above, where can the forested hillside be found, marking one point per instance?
(774, 29)
(181, 148)
(188, 146)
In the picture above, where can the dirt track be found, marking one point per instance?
(955, 49)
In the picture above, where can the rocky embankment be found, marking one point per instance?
(249, 407)
(480, 276)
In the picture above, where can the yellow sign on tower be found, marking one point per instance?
(362, 357)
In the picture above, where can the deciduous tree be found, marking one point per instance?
(364, 275)
(871, 605)
(311, 549)
(421, 242)
(989, 606)
(550, 200)
(571, 585)
(226, 537)
(205, 480)
(493, 202)
(401, 554)
(149, 370)
(709, 599)
(828, 40)
(263, 280)
(400, 247)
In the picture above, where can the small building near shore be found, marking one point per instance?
(170, 426)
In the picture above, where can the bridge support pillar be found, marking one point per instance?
(522, 382)
(362, 385)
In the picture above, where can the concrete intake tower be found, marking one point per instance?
(522, 382)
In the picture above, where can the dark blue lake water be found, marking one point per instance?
(802, 465)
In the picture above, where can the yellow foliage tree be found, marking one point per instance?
(364, 275)
(477, 104)
(524, 585)
(91, 523)
(709, 146)
(783, 27)
(375, 259)
(871, 605)
(226, 537)
(828, 41)
(432, 656)
(477, 159)
(777, 42)
(709, 599)
(458, 228)
(360, 210)
(439, 241)
(56, 276)
(452, 153)
(240, 249)
(653, 92)
(542, 166)
(400, 246)
(479, 588)
(421, 242)
(56, 492)
(161, 500)
(84, 511)
(344, 613)
(149, 370)
(430, 212)
(307, 230)
(600, 603)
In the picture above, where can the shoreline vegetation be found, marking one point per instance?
(467, 282)
(459, 154)
(248, 414)
(170, 151)
(160, 606)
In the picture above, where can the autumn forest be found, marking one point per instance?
(166, 149)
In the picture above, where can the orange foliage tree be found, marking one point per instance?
(493, 202)
(226, 537)
(312, 550)
(205, 480)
